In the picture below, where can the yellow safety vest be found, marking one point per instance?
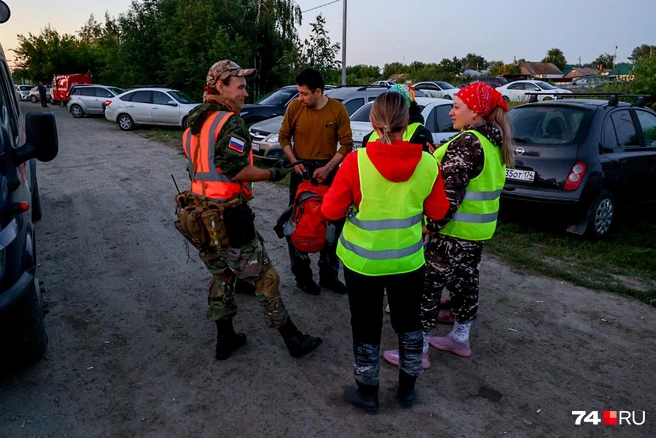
(407, 135)
(476, 218)
(384, 236)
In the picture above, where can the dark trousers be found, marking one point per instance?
(300, 261)
(44, 102)
(365, 295)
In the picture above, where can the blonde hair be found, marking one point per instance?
(389, 114)
(499, 116)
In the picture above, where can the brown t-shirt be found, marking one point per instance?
(316, 132)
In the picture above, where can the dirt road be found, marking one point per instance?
(131, 354)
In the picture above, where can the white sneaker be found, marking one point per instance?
(387, 309)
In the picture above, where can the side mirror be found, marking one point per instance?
(172, 103)
(41, 135)
(5, 13)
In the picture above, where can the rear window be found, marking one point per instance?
(549, 125)
(362, 115)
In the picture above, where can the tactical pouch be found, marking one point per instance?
(218, 236)
(239, 224)
(190, 225)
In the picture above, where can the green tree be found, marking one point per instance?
(642, 51)
(644, 81)
(362, 74)
(394, 68)
(556, 57)
(320, 53)
(603, 61)
(473, 62)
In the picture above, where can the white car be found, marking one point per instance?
(384, 83)
(149, 106)
(23, 91)
(516, 91)
(439, 89)
(435, 113)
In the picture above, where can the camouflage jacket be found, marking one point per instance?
(230, 160)
(463, 162)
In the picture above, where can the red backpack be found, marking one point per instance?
(303, 221)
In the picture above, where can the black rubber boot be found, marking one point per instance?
(363, 397)
(297, 343)
(406, 392)
(227, 340)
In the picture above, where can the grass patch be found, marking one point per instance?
(622, 263)
(170, 137)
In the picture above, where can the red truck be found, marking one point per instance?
(61, 85)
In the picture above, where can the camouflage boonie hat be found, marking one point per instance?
(222, 69)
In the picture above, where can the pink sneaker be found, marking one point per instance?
(392, 356)
(447, 343)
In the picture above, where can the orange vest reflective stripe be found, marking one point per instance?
(200, 156)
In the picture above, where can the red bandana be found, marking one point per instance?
(481, 98)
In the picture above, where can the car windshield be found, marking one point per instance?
(278, 97)
(548, 124)
(116, 90)
(25, 87)
(181, 97)
(445, 85)
(545, 86)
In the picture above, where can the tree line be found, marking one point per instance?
(173, 42)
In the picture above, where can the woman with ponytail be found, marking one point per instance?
(384, 190)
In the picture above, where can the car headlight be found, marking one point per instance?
(273, 138)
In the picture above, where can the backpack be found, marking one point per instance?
(303, 221)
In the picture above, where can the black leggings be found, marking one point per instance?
(366, 301)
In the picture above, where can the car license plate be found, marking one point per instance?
(255, 146)
(520, 175)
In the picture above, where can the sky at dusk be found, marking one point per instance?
(385, 31)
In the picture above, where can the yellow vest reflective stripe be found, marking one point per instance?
(384, 237)
(407, 135)
(476, 218)
(200, 161)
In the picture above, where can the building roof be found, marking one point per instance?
(581, 71)
(622, 69)
(540, 69)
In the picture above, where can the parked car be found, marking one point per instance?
(23, 91)
(584, 84)
(34, 94)
(384, 83)
(21, 307)
(265, 133)
(516, 91)
(435, 113)
(582, 158)
(492, 81)
(62, 84)
(149, 106)
(439, 89)
(272, 105)
(90, 99)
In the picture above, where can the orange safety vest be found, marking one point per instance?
(204, 172)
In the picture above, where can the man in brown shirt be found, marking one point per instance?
(316, 123)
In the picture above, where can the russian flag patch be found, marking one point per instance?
(236, 144)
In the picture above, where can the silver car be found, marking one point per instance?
(34, 94)
(149, 106)
(90, 99)
(23, 91)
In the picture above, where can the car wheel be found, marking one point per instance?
(506, 99)
(185, 122)
(447, 97)
(125, 122)
(33, 342)
(601, 215)
(33, 99)
(77, 111)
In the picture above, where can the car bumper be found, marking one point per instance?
(17, 290)
(267, 151)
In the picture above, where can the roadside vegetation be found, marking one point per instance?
(622, 263)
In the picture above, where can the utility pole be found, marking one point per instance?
(344, 46)
(615, 57)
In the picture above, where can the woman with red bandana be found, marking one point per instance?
(474, 170)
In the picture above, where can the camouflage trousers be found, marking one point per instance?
(453, 263)
(250, 263)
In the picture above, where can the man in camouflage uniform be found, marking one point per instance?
(225, 91)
